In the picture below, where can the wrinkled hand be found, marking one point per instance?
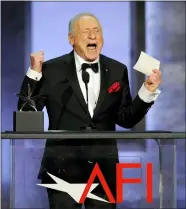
(36, 60)
(153, 81)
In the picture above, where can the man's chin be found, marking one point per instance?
(91, 57)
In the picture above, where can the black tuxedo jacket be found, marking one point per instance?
(73, 160)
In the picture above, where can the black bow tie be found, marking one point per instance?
(93, 66)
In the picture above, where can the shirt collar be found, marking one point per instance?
(79, 61)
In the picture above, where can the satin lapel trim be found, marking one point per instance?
(104, 83)
(73, 81)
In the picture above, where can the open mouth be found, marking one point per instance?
(92, 47)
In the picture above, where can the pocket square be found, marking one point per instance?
(115, 87)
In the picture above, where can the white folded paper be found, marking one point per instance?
(146, 64)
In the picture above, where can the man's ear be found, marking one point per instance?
(71, 39)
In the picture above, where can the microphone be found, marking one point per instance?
(86, 78)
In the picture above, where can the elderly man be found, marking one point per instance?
(64, 94)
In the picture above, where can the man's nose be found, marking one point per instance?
(92, 35)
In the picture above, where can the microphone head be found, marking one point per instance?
(85, 77)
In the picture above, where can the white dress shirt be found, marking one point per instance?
(94, 84)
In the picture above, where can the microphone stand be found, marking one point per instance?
(86, 86)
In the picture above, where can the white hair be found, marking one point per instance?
(73, 21)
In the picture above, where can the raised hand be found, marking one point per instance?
(36, 60)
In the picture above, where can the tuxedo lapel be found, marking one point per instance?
(73, 81)
(104, 83)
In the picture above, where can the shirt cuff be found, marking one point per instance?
(33, 74)
(148, 96)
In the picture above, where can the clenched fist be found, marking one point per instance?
(37, 60)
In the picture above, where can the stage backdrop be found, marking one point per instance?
(166, 40)
(165, 32)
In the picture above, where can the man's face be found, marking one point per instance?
(87, 38)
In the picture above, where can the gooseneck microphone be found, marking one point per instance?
(86, 78)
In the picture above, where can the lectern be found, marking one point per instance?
(167, 186)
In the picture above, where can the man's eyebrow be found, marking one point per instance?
(93, 28)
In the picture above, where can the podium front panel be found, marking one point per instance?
(25, 162)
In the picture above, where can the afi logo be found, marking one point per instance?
(79, 192)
